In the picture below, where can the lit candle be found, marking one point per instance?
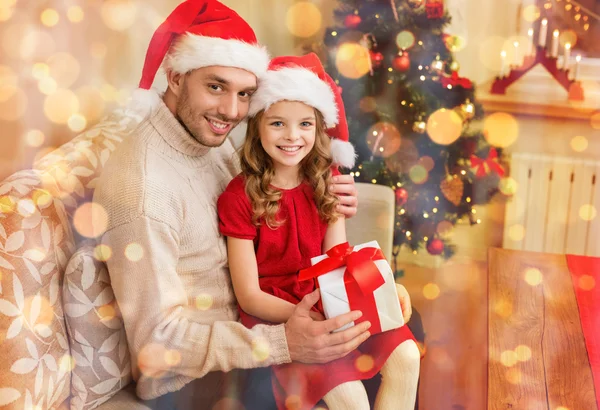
(567, 56)
(517, 60)
(577, 61)
(554, 52)
(531, 46)
(543, 33)
(502, 63)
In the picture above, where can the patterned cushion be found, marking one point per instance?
(36, 241)
(95, 330)
(34, 364)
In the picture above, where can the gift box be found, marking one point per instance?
(357, 278)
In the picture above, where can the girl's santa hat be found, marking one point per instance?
(199, 33)
(304, 79)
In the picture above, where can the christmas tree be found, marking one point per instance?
(414, 121)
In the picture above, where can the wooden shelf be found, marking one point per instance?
(537, 94)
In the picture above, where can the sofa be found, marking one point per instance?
(61, 334)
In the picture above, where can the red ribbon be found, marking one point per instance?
(454, 80)
(361, 278)
(491, 161)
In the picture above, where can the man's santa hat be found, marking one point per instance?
(199, 33)
(304, 79)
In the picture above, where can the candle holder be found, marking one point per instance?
(561, 75)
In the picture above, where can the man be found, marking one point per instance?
(160, 188)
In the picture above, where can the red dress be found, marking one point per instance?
(280, 254)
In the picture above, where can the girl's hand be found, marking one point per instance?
(314, 315)
(343, 186)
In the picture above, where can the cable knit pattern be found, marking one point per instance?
(160, 191)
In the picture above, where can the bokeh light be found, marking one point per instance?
(445, 228)
(47, 85)
(579, 143)
(364, 363)
(172, 358)
(134, 252)
(40, 70)
(64, 68)
(8, 83)
(304, 19)
(533, 276)
(503, 308)
(91, 103)
(14, 106)
(59, 106)
(293, 402)
(352, 60)
(523, 353)
(489, 52)
(444, 126)
(119, 15)
(26, 207)
(586, 282)
(595, 120)
(531, 13)
(508, 358)
(41, 198)
(567, 37)
(514, 376)
(587, 212)
(368, 104)
(260, 350)
(77, 122)
(204, 301)
(98, 50)
(405, 40)
(152, 358)
(75, 14)
(501, 129)
(49, 17)
(418, 174)
(427, 162)
(106, 312)
(431, 291)
(66, 363)
(508, 186)
(34, 138)
(6, 10)
(90, 220)
(384, 139)
(102, 252)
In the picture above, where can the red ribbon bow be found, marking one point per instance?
(454, 80)
(361, 278)
(492, 164)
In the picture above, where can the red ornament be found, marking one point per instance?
(401, 196)
(376, 58)
(352, 21)
(435, 9)
(435, 246)
(401, 62)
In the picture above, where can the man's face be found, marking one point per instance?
(213, 100)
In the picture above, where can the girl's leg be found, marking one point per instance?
(399, 378)
(348, 396)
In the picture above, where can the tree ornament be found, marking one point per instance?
(401, 196)
(452, 188)
(405, 40)
(483, 166)
(420, 126)
(435, 9)
(401, 62)
(435, 246)
(467, 110)
(352, 21)
(437, 65)
(454, 66)
(415, 4)
(376, 58)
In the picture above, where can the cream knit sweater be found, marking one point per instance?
(168, 267)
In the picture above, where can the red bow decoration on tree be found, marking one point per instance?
(492, 164)
(454, 80)
(361, 278)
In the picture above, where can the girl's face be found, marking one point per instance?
(287, 133)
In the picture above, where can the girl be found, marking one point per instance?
(279, 212)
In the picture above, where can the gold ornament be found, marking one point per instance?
(437, 65)
(454, 66)
(467, 110)
(415, 4)
(452, 188)
(420, 126)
